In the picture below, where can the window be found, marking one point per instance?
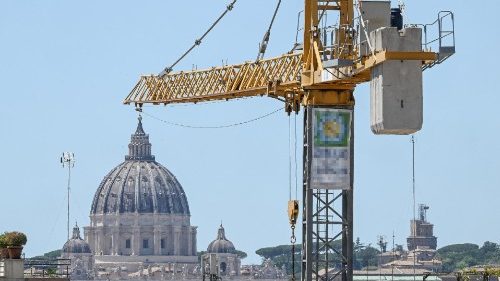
(127, 244)
(145, 243)
(162, 243)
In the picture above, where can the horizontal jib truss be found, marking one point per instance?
(226, 82)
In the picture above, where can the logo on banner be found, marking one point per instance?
(330, 167)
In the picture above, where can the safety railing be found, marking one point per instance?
(439, 36)
(58, 268)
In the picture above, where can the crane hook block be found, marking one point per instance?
(293, 211)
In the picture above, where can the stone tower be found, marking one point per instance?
(421, 232)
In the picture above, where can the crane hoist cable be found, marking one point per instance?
(295, 155)
(293, 213)
(198, 41)
(267, 35)
(211, 127)
(293, 204)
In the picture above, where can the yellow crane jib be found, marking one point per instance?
(276, 77)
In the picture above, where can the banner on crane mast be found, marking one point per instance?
(330, 165)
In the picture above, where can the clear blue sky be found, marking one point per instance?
(65, 67)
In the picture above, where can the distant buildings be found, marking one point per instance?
(140, 214)
(78, 251)
(421, 254)
(140, 228)
(421, 232)
(222, 252)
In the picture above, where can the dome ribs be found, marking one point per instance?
(140, 184)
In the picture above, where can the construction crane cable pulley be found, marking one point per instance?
(293, 213)
(198, 41)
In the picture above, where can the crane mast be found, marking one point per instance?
(320, 79)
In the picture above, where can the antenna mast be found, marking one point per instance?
(68, 160)
(414, 206)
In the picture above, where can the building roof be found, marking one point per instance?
(221, 244)
(140, 184)
(76, 245)
(395, 277)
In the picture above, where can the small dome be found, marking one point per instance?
(76, 245)
(221, 244)
(140, 184)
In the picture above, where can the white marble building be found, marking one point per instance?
(82, 260)
(228, 263)
(140, 214)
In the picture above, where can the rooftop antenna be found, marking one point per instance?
(422, 210)
(68, 160)
(414, 206)
(393, 256)
(382, 243)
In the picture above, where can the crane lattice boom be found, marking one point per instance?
(225, 82)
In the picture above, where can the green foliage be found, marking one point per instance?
(200, 254)
(48, 256)
(240, 254)
(51, 271)
(364, 256)
(15, 238)
(460, 256)
(3, 241)
(282, 255)
(53, 254)
(399, 248)
(273, 252)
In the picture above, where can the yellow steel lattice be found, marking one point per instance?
(226, 82)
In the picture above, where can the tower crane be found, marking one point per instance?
(367, 43)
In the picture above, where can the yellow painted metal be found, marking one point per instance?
(294, 78)
(328, 97)
(274, 76)
(293, 211)
(380, 57)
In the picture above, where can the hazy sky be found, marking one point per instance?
(65, 67)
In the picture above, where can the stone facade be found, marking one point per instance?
(141, 235)
(140, 213)
(79, 253)
(421, 232)
(222, 252)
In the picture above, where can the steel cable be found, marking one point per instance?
(198, 41)
(267, 35)
(213, 127)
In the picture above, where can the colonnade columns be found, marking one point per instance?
(189, 240)
(102, 239)
(177, 238)
(157, 241)
(115, 246)
(136, 243)
(194, 231)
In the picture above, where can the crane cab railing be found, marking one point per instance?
(440, 36)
